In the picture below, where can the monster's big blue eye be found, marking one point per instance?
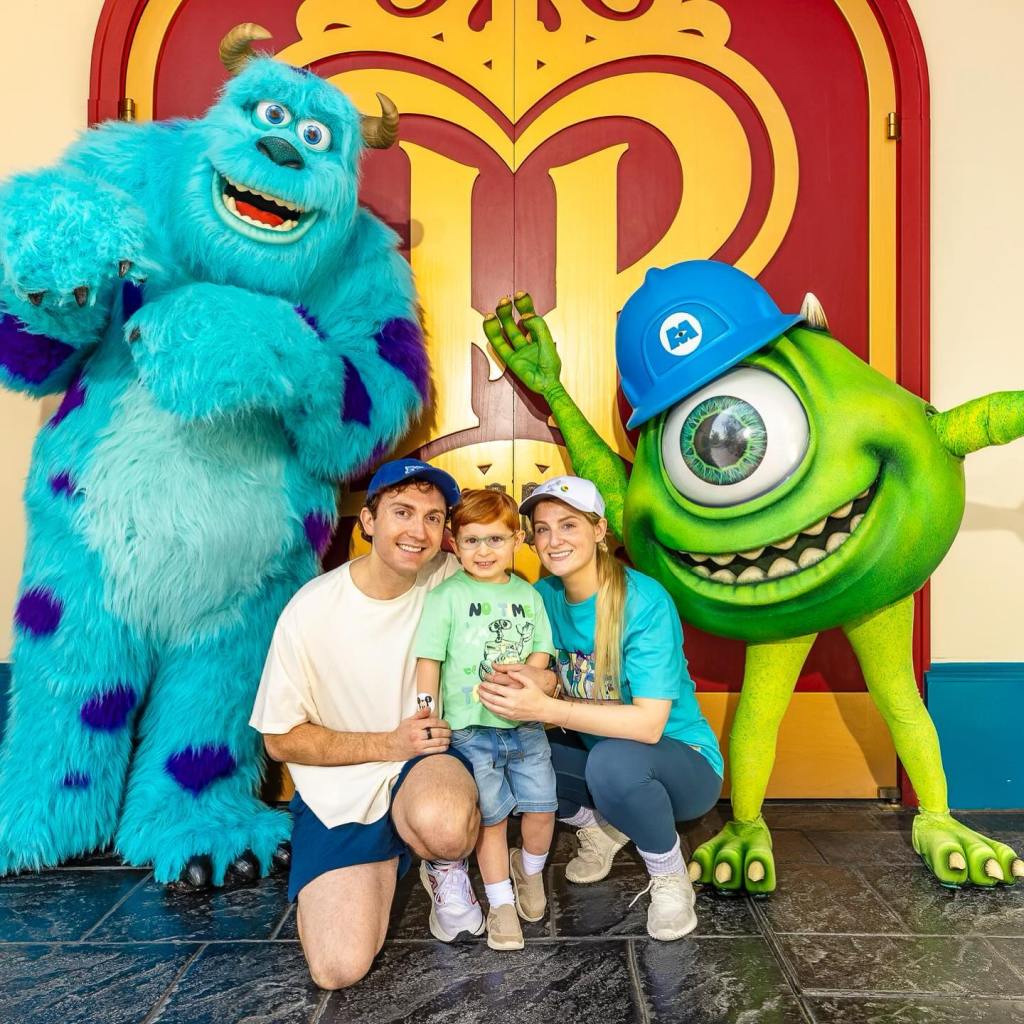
(315, 135)
(735, 439)
(274, 114)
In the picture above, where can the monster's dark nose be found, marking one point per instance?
(283, 153)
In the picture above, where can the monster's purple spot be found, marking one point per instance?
(400, 343)
(356, 404)
(63, 483)
(109, 710)
(29, 357)
(311, 320)
(75, 780)
(73, 398)
(318, 531)
(196, 768)
(131, 299)
(38, 611)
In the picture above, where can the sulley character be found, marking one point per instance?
(185, 487)
(781, 487)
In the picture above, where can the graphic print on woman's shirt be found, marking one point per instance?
(576, 671)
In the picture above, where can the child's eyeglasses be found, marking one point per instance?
(493, 542)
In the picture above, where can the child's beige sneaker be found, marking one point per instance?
(531, 902)
(503, 928)
(598, 845)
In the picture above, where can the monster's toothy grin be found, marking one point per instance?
(785, 557)
(259, 208)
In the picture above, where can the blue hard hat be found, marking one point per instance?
(687, 324)
(399, 470)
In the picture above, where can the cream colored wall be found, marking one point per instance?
(50, 107)
(977, 83)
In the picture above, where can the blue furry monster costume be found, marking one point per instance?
(233, 335)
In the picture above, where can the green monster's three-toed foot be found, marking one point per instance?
(740, 857)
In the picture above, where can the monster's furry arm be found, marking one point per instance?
(993, 419)
(68, 234)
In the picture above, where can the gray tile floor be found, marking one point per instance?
(858, 933)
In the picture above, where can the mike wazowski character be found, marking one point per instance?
(781, 487)
(184, 490)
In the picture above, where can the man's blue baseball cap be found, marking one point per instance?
(684, 326)
(400, 470)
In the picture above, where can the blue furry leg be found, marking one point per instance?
(194, 782)
(78, 677)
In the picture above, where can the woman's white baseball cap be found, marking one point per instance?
(576, 492)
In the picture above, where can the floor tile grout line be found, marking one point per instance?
(893, 995)
(788, 971)
(157, 1008)
(276, 930)
(881, 899)
(117, 906)
(1002, 956)
(321, 1007)
(637, 983)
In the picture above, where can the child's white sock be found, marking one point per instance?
(499, 893)
(667, 863)
(533, 863)
(583, 818)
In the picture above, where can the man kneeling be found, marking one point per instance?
(337, 702)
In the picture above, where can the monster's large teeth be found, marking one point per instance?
(752, 574)
(809, 556)
(863, 494)
(702, 570)
(722, 559)
(724, 576)
(781, 567)
(752, 554)
(785, 545)
(843, 512)
(836, 541)
(814, 530)
(699, 558)
(855, 522)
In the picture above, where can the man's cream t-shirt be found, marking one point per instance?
(345, 661)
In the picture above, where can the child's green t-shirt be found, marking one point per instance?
(470, 626)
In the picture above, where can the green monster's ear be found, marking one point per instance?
(813, 313)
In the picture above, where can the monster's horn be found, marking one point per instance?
(381, 132)
(236, 47)
(813, 312)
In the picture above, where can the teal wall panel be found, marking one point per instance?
(978, 709)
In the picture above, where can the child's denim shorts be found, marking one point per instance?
(512, 768)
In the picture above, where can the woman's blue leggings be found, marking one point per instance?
(643, 789)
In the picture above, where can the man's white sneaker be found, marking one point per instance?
(671, 914)
(454, 909)
(598, 845)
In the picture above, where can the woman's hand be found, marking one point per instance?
(543, 677)
(517, 694)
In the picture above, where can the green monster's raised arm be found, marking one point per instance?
(980, 423)
(528, 350)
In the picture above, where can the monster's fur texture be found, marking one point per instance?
(178, 498)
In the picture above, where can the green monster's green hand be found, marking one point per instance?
(527, 349)
(957, 855)
(739, 857)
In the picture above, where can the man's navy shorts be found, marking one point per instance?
(317, 849)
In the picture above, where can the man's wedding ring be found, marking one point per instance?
(429, 736)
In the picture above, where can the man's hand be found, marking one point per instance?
(423, 733)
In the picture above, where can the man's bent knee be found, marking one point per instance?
(340, 969)
(444, 832)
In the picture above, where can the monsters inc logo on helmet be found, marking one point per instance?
(686, 325)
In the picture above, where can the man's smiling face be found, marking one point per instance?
(408, 528)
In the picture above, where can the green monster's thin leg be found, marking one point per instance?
(953, 852)
(992, 419)
(740, 856)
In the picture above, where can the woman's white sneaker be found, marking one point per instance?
(454, 909)
(598, 845)
(672, 913)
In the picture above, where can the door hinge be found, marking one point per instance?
(126, 109)
(893, 126)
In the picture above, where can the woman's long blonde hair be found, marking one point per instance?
(610, 611)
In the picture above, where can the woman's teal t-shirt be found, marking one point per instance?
(653, 663)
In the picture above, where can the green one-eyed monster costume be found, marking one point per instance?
(781, 487)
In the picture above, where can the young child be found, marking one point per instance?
(481, 617)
